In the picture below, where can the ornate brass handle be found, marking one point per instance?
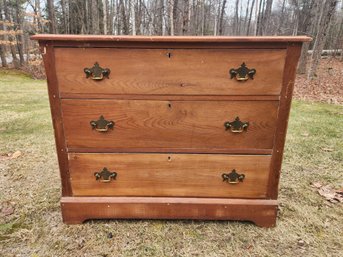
(233, 177)
(101, 124)
(96, 72)
(105, 175)
(236, 126)
(242, 73)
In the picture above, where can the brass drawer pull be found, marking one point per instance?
(101, 124)
(236, 126)
(96, 72)
(233, 177)
(105, 175)
(242, 73)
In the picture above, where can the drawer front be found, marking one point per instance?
(174, 125)
(169, 175)
(169, 72)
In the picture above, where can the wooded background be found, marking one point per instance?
(320, 19)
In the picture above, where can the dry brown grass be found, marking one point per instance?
(308, 225)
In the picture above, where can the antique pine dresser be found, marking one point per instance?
(170, 127)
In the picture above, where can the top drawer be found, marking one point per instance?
(169, 71)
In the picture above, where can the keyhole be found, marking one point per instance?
(169, 55)
(169, 105)
(169, 158)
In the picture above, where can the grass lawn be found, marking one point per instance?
(308, 225)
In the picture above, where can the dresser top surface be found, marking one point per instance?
(190, 39)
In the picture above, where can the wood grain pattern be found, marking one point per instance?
(151, 39)
(191, 175)
(56, 115)
(293, 54)
(173, 97)
(169, 124)
(169, 44)
(75, 210)
(166, 111)
(123, 149)
(151, 71)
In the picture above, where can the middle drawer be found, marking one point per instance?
(159, 126)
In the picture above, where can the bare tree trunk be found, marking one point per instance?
(216, 14)
(95, 17)
(235, 24)
(2, 38)
(266, 17)
(3, 57)
(124, 18)
(308, 28)
(163, 21)
(246, 17)
(19, 36)
(64, 16)
(51, 15)
(260, 18)
(104, 14)
(202, 17)
(251, 10)
(133, 17)
(39, 15)
(328, 11)
(10, 38)
(281, 18)
(185, 20)
(257, 15)
(189, 15)
(221, 19)
(295, 19)
(171, 17)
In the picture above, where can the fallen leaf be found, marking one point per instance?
(9, 156)
(15, 155)
(316, 185)
(6, 208)
(330, 194)
(325, 149)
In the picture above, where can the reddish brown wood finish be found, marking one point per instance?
(168, 150)
(80, 95)
(293, 54)
(172, 125)
(185, 72)
(49, 62)
(150, 39)
(76, 210)
(180, 175)
(260, 211)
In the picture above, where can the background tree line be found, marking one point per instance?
(321, 19)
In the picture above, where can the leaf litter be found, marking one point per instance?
(330, 194)
(10, 156)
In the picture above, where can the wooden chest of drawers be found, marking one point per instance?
(170, 127)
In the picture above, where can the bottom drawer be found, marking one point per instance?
(191, 175)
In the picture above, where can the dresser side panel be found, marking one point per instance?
(56, 115)
(293, 54)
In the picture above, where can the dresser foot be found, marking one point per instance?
(265, 221)
(76, 210)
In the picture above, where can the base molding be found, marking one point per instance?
(76, 210)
